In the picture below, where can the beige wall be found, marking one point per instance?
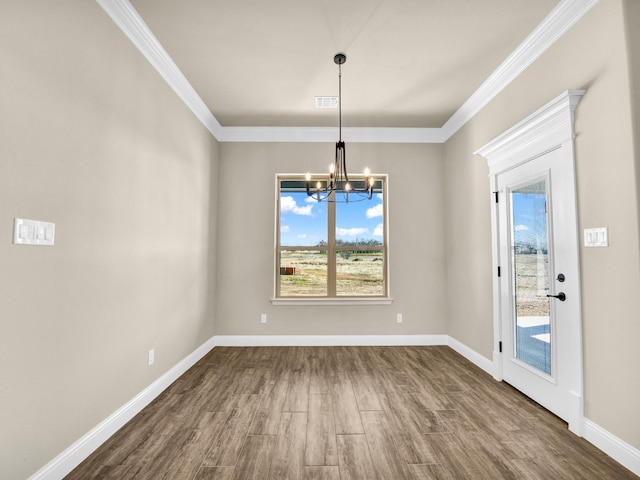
(91, 138)
(246, 249)
(632, 16)
(592, 56)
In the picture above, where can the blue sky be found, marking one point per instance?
(529, 218)
(303, 220)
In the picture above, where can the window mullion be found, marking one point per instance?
(331, 254)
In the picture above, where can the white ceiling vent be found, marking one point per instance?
(326, 102)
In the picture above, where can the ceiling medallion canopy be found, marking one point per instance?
(337, 187)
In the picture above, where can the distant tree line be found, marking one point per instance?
(522, 247)
(358, 242)
(355, 243)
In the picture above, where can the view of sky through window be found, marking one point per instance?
(303, 220)
(529, 220)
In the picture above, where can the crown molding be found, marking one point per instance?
(131, 23)
(328, 134)
(561, 18)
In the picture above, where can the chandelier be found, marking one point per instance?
(337, 187)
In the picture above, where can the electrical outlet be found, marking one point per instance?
(399, 318)
(152, 355)
(263, 318)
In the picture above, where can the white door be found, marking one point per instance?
(538, 283)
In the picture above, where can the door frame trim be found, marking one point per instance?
(547, 129)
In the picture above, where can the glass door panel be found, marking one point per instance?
(530, 250)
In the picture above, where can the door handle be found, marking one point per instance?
(561, 296)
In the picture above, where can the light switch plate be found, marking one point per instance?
(596, 237)
(33, 232)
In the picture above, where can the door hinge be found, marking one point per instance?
(500, 347)
(498, 271)
(496, 194)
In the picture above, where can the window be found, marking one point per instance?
(330, 249)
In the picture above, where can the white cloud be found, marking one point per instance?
(379, 231)
(351, 232)
(288, 204)
(379, 195)
(302, 236)
(285, 228)
(311, 199)
(374, 211)
(521, 228)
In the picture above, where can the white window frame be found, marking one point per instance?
(331, 298)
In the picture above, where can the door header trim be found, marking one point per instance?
(545, 129)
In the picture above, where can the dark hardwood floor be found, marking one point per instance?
(344, 413)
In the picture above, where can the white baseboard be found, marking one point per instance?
(474, 357)
(327, 340)
(620, 451)
(64, 463)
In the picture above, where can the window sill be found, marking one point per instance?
(333, 301)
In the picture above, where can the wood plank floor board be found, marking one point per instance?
(426, 419)
(537, 469)
(255, 381)
(455, 420)
(152, 462)
(385, 457)
(365, 390)
(109, 472)
(322, 473)
(233, 429)
(354, 458)
(485, 415)
(503, 396)
(453, 456)
(491, 458)
(345, 407)
(320, 373)
(255, 459)
(288, 461)
(297, 396)
(429, 472)
(321, 447)
(527, 444)
(186, 462)
(215, 473)
(386, 381)
(267, 418)
(335, 413)
(406, 429)
(432, 401)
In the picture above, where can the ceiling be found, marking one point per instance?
(410, 63)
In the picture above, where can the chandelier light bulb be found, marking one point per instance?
(367, 172)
